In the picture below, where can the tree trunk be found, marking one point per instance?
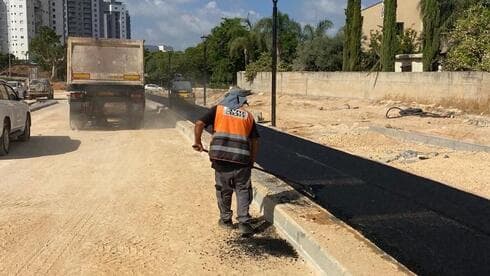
(53, 71)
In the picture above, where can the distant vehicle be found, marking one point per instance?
(181, 90)
(15, 118)
(18, 87)
(105, 80)
(152, 88)
(39, 88)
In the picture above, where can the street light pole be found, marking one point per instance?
(274, 62)
(205, 38)
(170, 63)
(8, 53)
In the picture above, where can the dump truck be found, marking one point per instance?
(105, 80)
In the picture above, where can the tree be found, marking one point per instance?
(309, 32)
(245, 45)
(470, 41)
(352, 36)
(407, 42)
(46, 48)
(389, 36)
(222, 64)
(289, 36)
(431, 32)
(4, 60)
(439, 17)
(370, 59)
(319, 52)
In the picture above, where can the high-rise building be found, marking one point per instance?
(97, 18)
(116, 20)
(21, 20)
(81, 17)
(3, 27)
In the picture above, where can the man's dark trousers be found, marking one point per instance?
(237, 180)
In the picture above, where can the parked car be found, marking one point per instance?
(15, 118)
(152, 88)
(18, 87)
(40, 88)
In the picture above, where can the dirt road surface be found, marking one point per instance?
(121, 202)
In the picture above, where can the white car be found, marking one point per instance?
(15, 118)
(153, 88)
(18, 87)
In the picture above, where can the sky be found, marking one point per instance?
(181, 23)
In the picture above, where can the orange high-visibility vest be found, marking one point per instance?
(230, 141)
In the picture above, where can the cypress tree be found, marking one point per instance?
(431, 32)
(352, 36)
(356, 35)
(347, 37)
(389, 36)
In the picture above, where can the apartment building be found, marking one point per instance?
(21, 20)
(116, 20)
(82, 18)
(3, 27)
(97, 18)
(407, 16)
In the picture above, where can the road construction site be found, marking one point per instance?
(145, 203)
(418, 202)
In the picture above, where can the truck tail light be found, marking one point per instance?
(77, 95)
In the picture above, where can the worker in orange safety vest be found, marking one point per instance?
(232, 153)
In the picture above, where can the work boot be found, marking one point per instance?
(246, 229)
(227, 224)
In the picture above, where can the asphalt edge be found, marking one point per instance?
(281, 216)
(43, 105)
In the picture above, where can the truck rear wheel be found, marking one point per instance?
(77, 122)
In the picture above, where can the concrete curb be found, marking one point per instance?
(430, 140)
(286, 209)
(42, 105)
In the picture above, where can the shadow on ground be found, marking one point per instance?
(265, 241)
(428, 226)
(39, 146)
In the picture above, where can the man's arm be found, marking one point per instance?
(201, 124)
(254, 149)
(198, 129)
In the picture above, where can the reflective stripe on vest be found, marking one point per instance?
(230, 141)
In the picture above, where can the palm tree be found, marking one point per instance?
(320, 30)
(246, 44)
(289, 35)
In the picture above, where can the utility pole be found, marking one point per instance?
(205, 40)
(274, 62)
(8, 53)
(170, 63)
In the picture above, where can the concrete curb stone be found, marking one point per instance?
(430, 140)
